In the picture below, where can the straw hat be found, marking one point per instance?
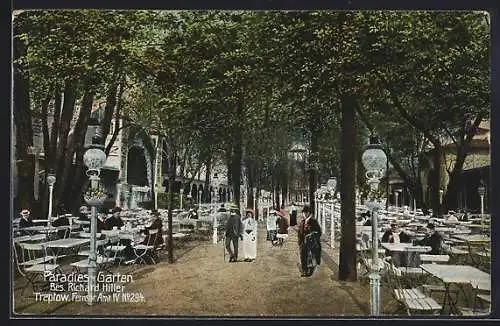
(25, 212)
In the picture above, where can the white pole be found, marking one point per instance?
(332, 225)
(254, 195)
(397, 204)
(94, 180)
(215, 225)
(156, 198)
(51, 189)
(323, 215)
(482, 212)
(36, 179)
(374, 274)
(317, 207)
(117, 200)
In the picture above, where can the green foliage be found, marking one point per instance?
(199, 78)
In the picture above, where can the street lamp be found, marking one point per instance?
(215, 223)
(374, 161)
(51, 180)
(332, 185)
(94, 159)
(482, 191)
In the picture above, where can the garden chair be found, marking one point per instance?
(33, 263)
(414, 301)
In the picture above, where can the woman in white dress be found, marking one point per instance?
(249, 246)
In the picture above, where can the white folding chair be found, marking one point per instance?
(411, 298)
(32, 262)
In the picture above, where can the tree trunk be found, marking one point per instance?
(236, 166)
(277, 204)
(109, 109)
(65, 122)
(23, 123)
(463, 145)
(237, 153)
(172, 159)
(208, 171)
(313, 185)
(75, 144)
(347, 256)
(436, 180)
(50, 158)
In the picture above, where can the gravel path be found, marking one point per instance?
(201, 283)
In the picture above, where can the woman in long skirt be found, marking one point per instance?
(249, 247)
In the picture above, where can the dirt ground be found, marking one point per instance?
(202, 283)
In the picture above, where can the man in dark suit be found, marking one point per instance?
(83, 214)
(114, 220)
(433, 239)
(62, 220)
(234, 230)
(309, 235)
(25, 221)
(394, 236)
(154, 239)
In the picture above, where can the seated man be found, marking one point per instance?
(114, 220)
(432, 239)
(25, 221)
(61, 220)
(84, 213)
(155, 239)
(393, 235)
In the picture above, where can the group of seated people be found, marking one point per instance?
(109, 222)
(432, 239)
(61, 220)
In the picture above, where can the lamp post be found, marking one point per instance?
(254, 199)
(482, 191)
(215, 223)
(51, 180)
(374, 161)
(94, 158)
(332, 185)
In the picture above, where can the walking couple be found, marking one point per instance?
(244, 230)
